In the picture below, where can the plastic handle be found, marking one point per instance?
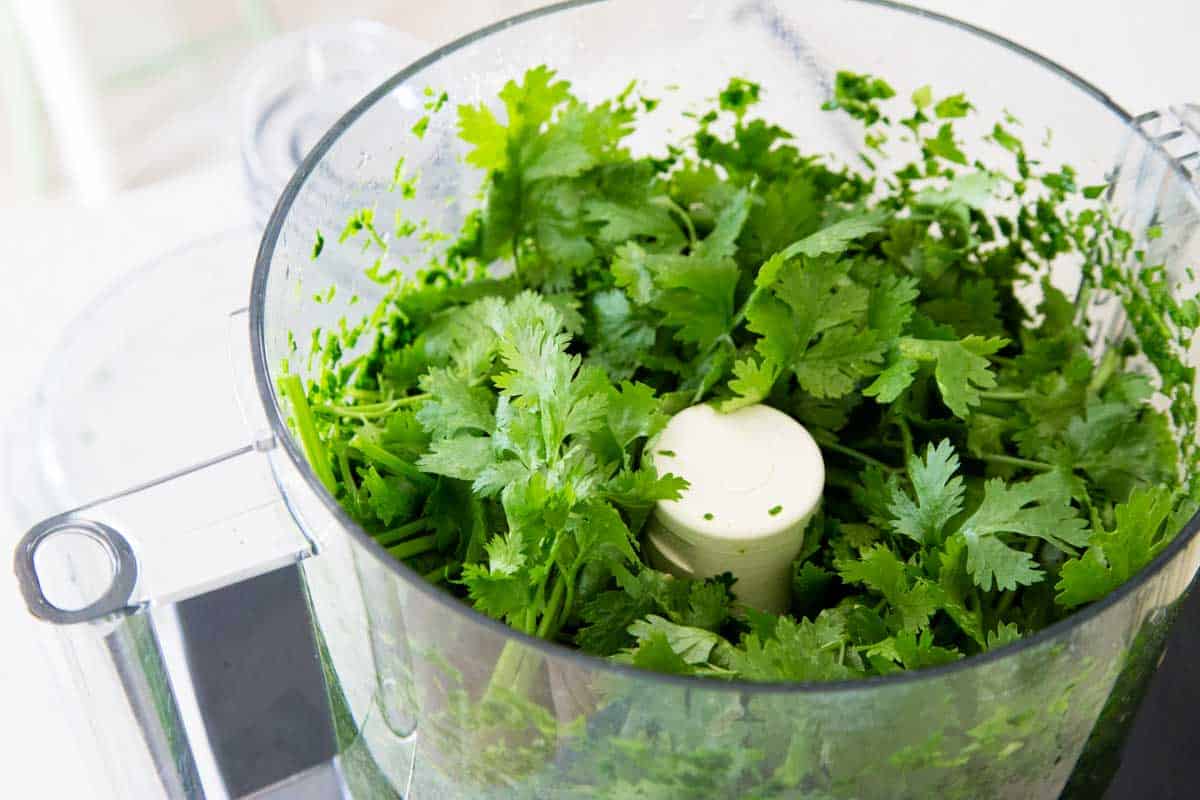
(120, 589)
(208, 525)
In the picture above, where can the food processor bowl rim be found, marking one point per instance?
(270, 401)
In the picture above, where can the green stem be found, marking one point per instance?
(1084, 294)
(855, 454)
(740, 316)
(515, 671)
(906, 433)
(437, 575)
(306, 426)
(671, 205)
(711, 376)
(950, 425)
(549, 624)
(516, 251)
(1003, 395)
(389, 538)
(362, 394)
(373, 410)
(1108, 366)
(569, 603)
(348, 478)
(836, 478)
(392, 462)
(413, 547)
(1006, 601)
(1158, 320)
(388, 405)
(738, 319)
(1013, 461)
(698, 395)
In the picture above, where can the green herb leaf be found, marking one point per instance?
(939, 495)
(1114, 556)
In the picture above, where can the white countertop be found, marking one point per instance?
(58, 256)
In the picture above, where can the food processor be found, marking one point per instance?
(407, 666)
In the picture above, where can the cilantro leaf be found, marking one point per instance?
(633, 412)
(1120, 446)
(693, 645)
(990, 560)
(636, 491)
(961, 370)
(644, 486)
(619, 336)
(607, 617)
(752, 382)
(1037, 508)
(1114, 556)
(600, 535)
(810, 588)
(814, 298)
(944, 146)
(531, 103)
(708, 604)
(955, 105)
(1005, 633)
(631, 208)
(464, 457)
(454, 405)
(913, 651)
(835, 238)
(939, 495)
(856, 95)
(834, 366)
(688, 603)
(890, 305)
(719, 244)
(390, 498)
(501, 589)
(893, 380)
(799, 651)
(632, 272)
(958, 589)
(971, 189)
(656, 653)
(975, 308)
(912, 599)
(478, 126)
(697, 297)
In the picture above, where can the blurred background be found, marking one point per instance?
(98, 97)
(130, 128)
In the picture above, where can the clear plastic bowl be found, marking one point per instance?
(407, 663)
